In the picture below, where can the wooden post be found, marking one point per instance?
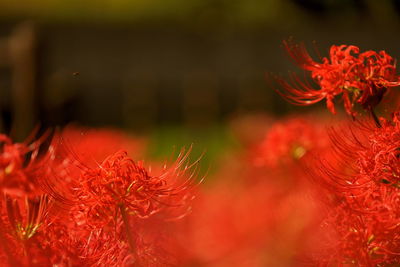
(22, 51)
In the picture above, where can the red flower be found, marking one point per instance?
(59, 209)
(22, 164)
(119, 181)
(363, 229)
(86, 142)
(362, 196)
(361, 78)
(122, 208)
(290, 140)
(35, 209)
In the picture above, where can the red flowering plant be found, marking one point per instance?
(290, 140)
(85, 141)
(358, 185)
(58, 208)
(358, 77)
(24, 205)
(19, 163)
(121, 209)
(361, 195)
(248, 224)
(81, 200)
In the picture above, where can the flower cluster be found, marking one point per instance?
(290, 140)
(364, 197)
(60, 209)
(295, 192)
(356, 180)
(361, 78)
(257, 209)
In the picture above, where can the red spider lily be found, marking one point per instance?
(247, 224)
(364, 231)
(290, 140)
(83, 147)
(120, 182)
(254, 214)
(20, 162)
(25, 206)
(369, 154)
(61, 210)
(118, 202)
(111, 246)
(26, 223)
(35, 210)
(361, 78)
(380, 161)
(363, 195)
(223, 221)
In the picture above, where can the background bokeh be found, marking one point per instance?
(177, 72)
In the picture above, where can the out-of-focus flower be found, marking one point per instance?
(257, 224)
(94, 145)
(25, 207)
(290, 140)
(362, 196)
(257, 210)
(361, 78)
(21, 164)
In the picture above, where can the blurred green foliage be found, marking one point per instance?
(280, 14)
(208, 144)
(125, 10)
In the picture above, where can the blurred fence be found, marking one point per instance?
(195, 72)
(18, 59)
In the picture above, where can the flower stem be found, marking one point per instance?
(27, 252)
(376, 119)
(128, 229)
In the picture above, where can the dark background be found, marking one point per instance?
(143, 65)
